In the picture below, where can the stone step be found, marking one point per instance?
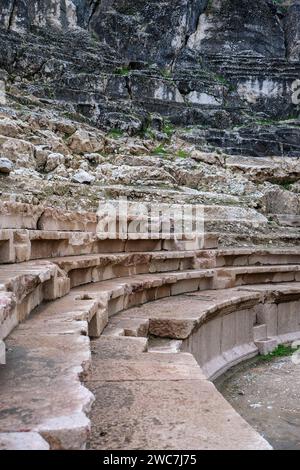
(46, 356)
(226, 320)
(18, 245)
(94, 268)
(171, 404)
(257, 256)
(25, 286)
(227, 277)
(125, 292)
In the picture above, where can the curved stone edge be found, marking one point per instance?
(54, 340)
(22, 441)
(284, 297)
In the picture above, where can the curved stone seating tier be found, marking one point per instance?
(220, 328)
(24, 286)
(256, 256)
(238, 276)
(46, 358)
(94, 268)
(230, 304)
(18, 245)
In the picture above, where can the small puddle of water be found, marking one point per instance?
(267, 396)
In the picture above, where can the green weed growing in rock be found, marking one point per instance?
(116, 133)
(168, 129)
(280, 351)
(182, 154)
(122, 71)
(159, 150)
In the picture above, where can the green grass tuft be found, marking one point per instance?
(280, 351)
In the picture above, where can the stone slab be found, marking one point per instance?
(167, 415)
(22, 441)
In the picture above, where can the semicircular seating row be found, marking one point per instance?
(68, 285)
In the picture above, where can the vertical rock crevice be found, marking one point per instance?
(12, 15)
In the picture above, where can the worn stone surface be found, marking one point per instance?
(22, 441)
(45, 358)
(178, 409)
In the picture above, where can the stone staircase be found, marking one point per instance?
(165, 316)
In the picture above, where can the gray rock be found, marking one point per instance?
(6, 166)
(83, 177)
(215, 64)
(292, 28)
(53, 161)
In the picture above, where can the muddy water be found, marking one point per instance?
(267, 395)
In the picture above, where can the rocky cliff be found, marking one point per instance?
(149, 94)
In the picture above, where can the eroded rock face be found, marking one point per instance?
(19, 15)
(96, 91)
(292, 28)
(147, 31)
(233, 27)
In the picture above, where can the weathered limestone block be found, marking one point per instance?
(9, 127)
(18, 215)
(98, 323)
(266, 346)
(260, 332)
(6, 166)
(7, 249)
(53, 219)
(288, 317)
(268, 314)
(279, 201)
(19, 151)
(84, 142)
(21, 246)
(57, 287)
(8, 314)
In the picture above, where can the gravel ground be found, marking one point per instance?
(267, 395)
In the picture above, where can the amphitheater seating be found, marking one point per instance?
(159, 310)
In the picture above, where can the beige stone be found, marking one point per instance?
(55, 352)
(22, 441)
(84, 142)
(266, 346)
(260, 333)
(2, 353)
(17, 215)
(53, 219)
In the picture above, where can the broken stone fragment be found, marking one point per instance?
(84, 142)
(6, 166)
(53, 161)
(83, 177)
